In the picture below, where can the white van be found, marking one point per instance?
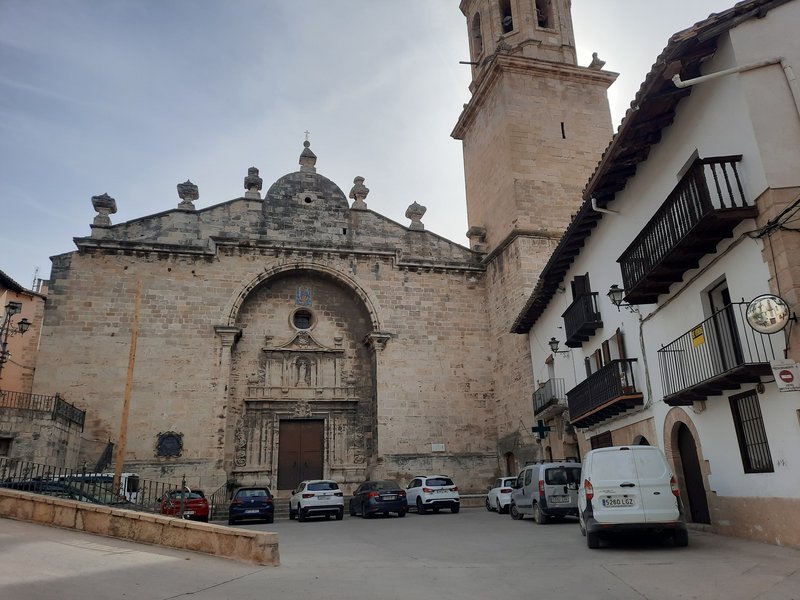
(629, 488)
(545, 491)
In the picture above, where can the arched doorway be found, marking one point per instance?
(511, 464)
(692, 476)
(640, 440)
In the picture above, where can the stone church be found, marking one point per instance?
(299, 334)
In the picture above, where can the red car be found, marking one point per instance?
(195, 505)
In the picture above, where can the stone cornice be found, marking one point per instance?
(504, 63)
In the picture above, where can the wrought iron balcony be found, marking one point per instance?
(549, 399)
(604, 394)
(703, 209)
(721, 353)
(581, 319)
(55, 406)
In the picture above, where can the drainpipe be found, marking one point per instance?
(607, 211)
(794, 87)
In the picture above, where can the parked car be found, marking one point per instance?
(251, 503)
(499, 495)
(195, 505)
(629, 488)
(71, 491)
(316, 497)
(378, 497)
(433, 492)
(546, 490)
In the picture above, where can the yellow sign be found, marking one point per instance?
(698, 339)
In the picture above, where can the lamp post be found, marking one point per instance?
(7, 330)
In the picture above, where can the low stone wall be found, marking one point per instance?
(239, 544)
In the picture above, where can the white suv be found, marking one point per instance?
(434, 492)
(499, 495)
(316, 497)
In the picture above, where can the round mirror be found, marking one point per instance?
(767, 313)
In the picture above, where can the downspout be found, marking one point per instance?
(794, 87)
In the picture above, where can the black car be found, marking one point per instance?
(376, 497)
(251, 503)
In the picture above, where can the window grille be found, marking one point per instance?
(751, 434)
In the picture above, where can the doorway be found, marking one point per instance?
(692, 476)
(300, 452)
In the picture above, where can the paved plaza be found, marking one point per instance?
(473, 554)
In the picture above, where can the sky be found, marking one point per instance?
(132, 97)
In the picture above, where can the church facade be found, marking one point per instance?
(302, 335)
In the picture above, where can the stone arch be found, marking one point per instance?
(325, 271)
(510, 464)
(676, 423)
(640, 440)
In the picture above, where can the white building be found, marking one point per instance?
(693, 211)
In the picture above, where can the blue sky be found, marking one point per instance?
(132, 97)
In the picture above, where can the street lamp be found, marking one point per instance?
(553, 343)
(616, 295)
(7, 330)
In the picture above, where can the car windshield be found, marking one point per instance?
(386, 486)
(562, 475)
(252, 493)
(438, 481)
(321, 486)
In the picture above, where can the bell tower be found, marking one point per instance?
(532, 133)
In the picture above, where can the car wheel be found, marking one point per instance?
(488, 504)
(680, 538)
(364, 513)
(455, 509)
(420, 507)
(340, 514)
(592, 540)
(352, 511)
(515, 514)
(401, 513)
(292, 513)
(500, 509)
(270, 519)
(301, 515)
(538, 515)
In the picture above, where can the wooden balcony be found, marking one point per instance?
(581, 319)
(550, 399)
(721, 353)
(605, 394)
(703, 209)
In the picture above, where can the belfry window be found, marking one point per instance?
(544, 14)
(477, 37)
(506, 18)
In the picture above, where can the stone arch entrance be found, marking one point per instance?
(302, 380)
(682, 448)
(640, 440)
(511, 464)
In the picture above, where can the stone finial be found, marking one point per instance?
(188, 193)
(104, 205)
(253, 183)
(308, 159)
(415, 212)
(359, 194)
(596, 62)
(477, 237)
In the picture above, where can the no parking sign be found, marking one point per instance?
(787, 375)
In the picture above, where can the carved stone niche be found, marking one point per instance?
(302, 368)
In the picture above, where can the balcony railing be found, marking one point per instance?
(721, 353)
(703, 209)
(59, 409)
(549, 398)
(604, 394)
(581, 319)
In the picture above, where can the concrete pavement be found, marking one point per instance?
(474, 554)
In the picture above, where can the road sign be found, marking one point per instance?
(787, 375)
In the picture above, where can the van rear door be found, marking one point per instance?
(617, 495)
(660, 504)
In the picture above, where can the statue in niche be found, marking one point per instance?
(303, 366)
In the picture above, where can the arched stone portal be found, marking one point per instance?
(683, 450)
(302, 382)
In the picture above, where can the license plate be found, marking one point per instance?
(558, 499)
(252, 511)
(324, 495)
(389, 497)
(188, 512)
(618, 502)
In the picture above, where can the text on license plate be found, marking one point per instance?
(251, 511)
(389, 497)
(615, 502)
(557, 499)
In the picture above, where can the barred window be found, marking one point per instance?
(751, 434)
